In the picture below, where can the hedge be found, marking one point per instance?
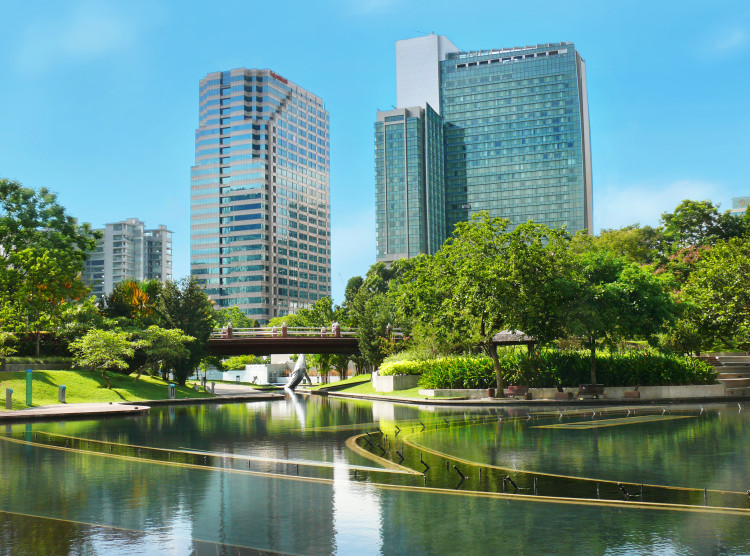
(551, 368)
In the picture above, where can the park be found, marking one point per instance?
(585, 392)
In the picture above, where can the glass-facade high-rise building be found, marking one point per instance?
(515, 133)
(260, 197)
(409, 183)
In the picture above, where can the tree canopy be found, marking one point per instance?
(185, 306)
(42, 252)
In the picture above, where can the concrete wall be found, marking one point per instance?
(610, 393)
(394, 382)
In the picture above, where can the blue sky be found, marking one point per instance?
(99, 99)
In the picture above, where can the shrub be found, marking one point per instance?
(552, 368)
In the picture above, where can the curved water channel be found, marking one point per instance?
(314, 475)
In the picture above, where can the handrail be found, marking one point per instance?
(287, 332)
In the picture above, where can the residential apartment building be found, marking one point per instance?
(128, 251)
(260, 195)
(515, 141)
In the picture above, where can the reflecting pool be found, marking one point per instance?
(315, 475)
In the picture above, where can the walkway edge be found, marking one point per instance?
(511, 402)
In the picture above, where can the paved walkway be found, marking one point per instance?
(237, 393)
(73, 409)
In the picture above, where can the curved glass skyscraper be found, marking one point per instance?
(259, 203)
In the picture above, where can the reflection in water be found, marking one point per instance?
(98, 486)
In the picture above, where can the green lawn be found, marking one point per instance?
(359, 379)
(367, 388)
(362, 384)
(87, 386)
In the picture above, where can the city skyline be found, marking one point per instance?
(114, 137)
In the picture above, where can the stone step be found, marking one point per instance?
(734, 366)
(724, 359)
(738, 391)
(723, 375)
(736, 382)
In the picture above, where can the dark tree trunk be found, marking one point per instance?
(593, 361)
(492, 348)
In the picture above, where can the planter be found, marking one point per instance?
(390, 383)
(594, 390)
(490, 392)
(517, 392)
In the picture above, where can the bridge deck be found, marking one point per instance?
(264, 345)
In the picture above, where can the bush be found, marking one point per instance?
(552, 368)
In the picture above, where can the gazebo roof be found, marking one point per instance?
(512, 338)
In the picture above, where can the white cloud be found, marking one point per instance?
(352, 249)
(85, 32)
(618, 205)
(730, 40)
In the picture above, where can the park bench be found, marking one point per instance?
(590, 390)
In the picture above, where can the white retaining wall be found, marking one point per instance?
(394, 382)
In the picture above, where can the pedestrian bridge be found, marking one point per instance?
(280, 339)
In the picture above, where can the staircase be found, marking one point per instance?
(734, 371)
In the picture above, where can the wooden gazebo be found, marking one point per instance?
(514, 338)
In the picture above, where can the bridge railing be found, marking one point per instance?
(290, 332)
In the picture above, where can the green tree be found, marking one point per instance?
(103, 350)
(42, 251)
(323, 363)
(37, 285)
(719, 289)
(321, 314)
(234, 315)
(7, 340)
(697, 223)
(638, 244)
(160, 346)
(31, 218)
(371, 310)
(184, 305)
(136, 301)
(238, 362)
(614, 300)
(484, 280)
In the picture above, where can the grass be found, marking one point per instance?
(359, 379)
(369, 389)
(87, 387)
(362, 384)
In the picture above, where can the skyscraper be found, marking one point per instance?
(260, 204)
(409, 183)
(515, 135)
(128, 251)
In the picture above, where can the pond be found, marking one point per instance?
(316, 475)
